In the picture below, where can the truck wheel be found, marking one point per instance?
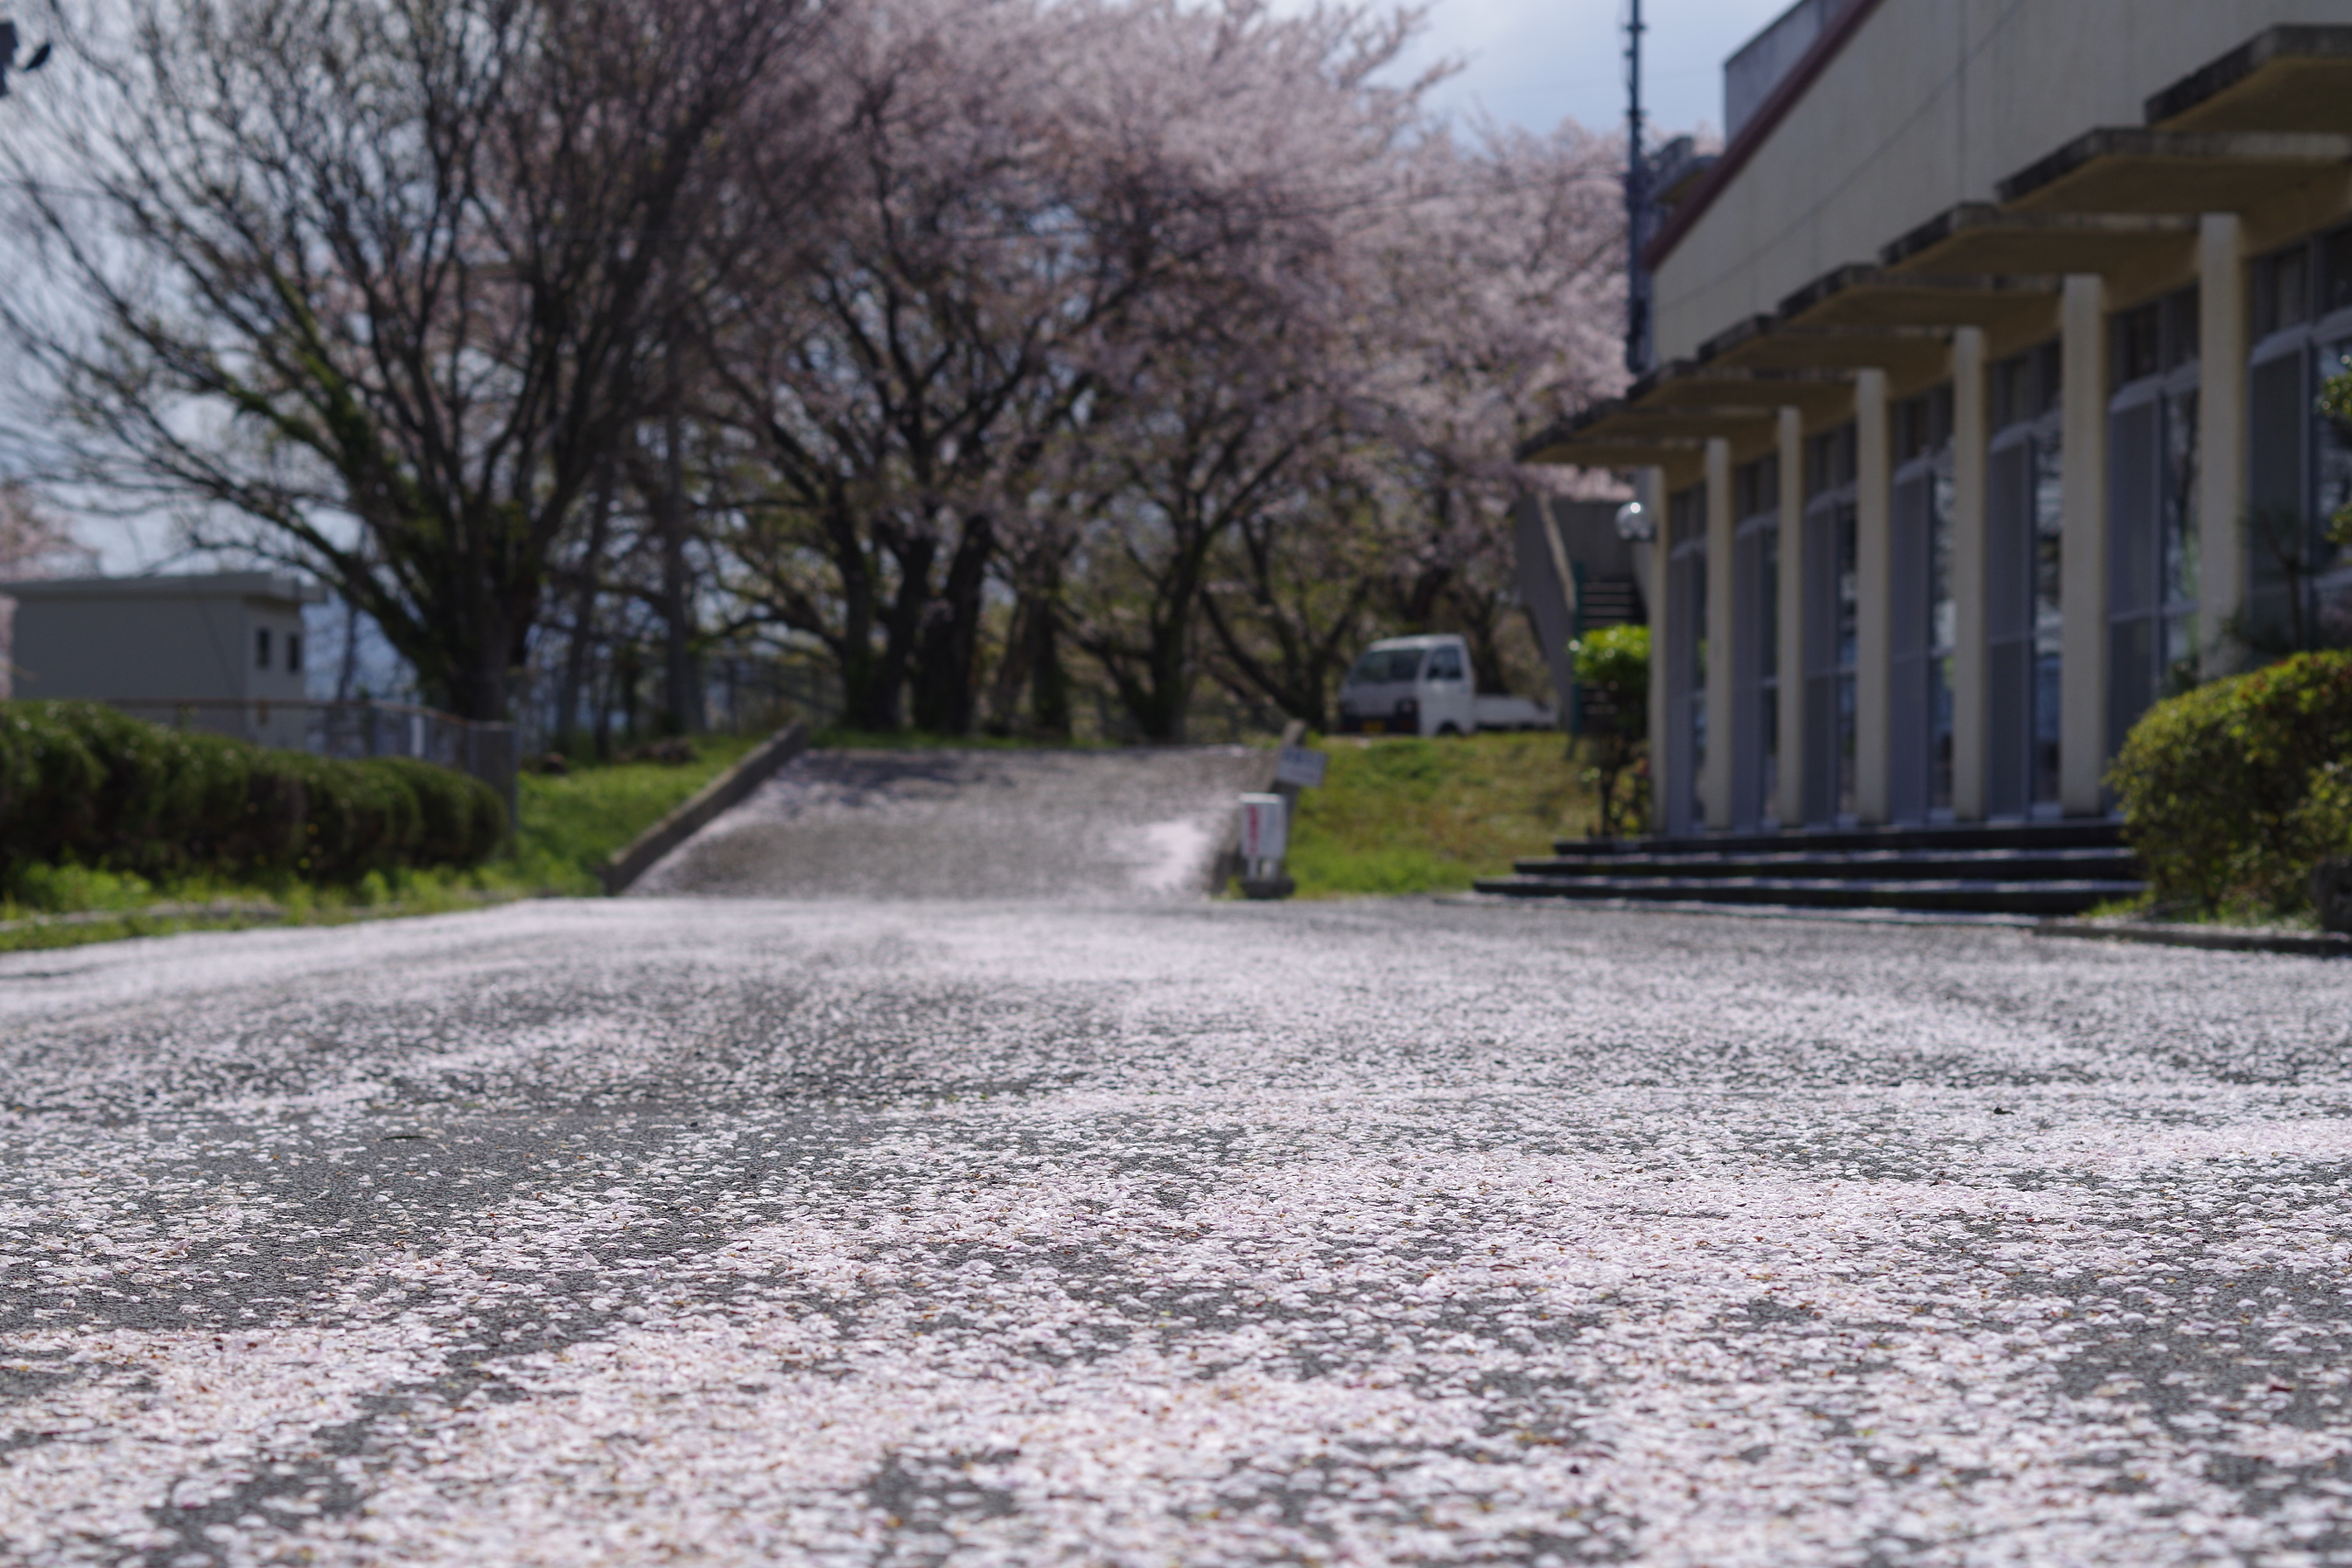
(1449, 729)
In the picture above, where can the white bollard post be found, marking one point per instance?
(1266, 838)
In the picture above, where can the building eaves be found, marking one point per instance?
(2131, 169)
(2291, 78)
(1979, 238)
(275, 585)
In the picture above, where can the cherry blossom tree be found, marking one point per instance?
(1030, 201)
(1481, 304)
(380, 282)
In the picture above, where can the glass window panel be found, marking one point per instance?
(2291, 287)
(2332, 444)
(2335, 271)
(1849, 588)
(2179, 559)
(1846, 715)
(1943, 636)
(2049, 625)
(1698, 686)
(2180, 316)
(2138, 344)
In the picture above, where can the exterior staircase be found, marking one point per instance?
(2042, 868)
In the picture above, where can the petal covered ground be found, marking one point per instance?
(688, 1231)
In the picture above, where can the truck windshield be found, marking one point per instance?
(1386, 666)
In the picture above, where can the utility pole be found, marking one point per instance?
(1637, 202)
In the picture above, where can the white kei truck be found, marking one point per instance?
(1423, 686)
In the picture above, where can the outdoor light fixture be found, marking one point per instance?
(1634, 523)
(8, 55)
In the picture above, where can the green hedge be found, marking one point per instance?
(2232, 791)
(82, 782)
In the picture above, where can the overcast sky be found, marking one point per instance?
(1535, 62)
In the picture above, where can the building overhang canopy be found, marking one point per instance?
(1599, 438)
(2132, 170)
(1666, 418)
(2291, 78)
(1979, 238)
(1874, 300)
(1803, 356)
(1735, 391)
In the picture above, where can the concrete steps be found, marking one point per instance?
(2021, 868)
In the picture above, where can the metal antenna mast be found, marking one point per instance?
(1637, 202)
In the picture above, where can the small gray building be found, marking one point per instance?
(221, 651)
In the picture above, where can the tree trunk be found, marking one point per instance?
(1049, 682)
(1004, 687)
(949, 652)
(584, 615)
(681, 674)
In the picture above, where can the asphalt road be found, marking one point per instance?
(966, 823)
(842, 1232)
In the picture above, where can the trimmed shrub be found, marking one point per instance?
(463, 818)
(2233, 790)
(82, 784)
(50, 782)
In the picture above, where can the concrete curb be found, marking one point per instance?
(627, 865)
(2310, 944)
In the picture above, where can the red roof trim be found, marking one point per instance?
(1761, 125)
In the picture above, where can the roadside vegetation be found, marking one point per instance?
(2233, 790)
(572, 821)
(1407, 816)
(569, 823)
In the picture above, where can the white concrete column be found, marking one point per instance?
(1649, 489)
(1792, 618)
(1873, 683)
(2082, 532)
(1715, 779)
(2221, 350)
(1969, 579)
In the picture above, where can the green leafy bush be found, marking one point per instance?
(81, 783)
(2336, 402)
(2232, 791)
(1613, 664)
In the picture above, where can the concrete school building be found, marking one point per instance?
(1983, 409)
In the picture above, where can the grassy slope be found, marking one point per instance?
(1411, 816)
(572, 821)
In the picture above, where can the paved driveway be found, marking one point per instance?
(967, 824)
(846, 1232)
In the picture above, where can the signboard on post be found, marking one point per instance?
(1301, 766)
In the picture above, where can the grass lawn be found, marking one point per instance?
(1422, 816)
(569, 824)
